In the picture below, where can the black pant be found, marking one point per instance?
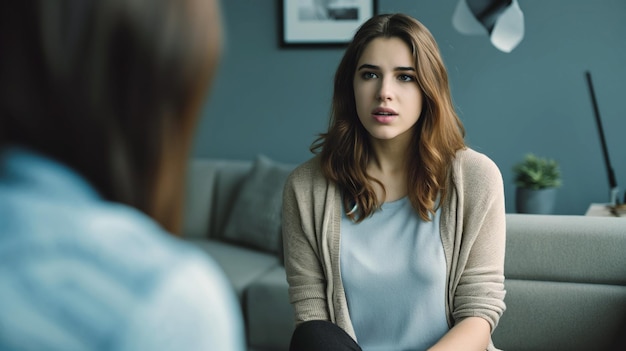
(321, 336)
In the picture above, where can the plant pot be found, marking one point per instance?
(535, 201)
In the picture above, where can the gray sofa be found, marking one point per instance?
(565, 275)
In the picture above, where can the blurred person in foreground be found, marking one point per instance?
(98, 104)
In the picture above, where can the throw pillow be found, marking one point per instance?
(255, 219)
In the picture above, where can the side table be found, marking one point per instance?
(604, 210)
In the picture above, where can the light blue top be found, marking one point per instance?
(393, 271)
(80, 273)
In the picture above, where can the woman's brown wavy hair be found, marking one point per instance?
(345, 149)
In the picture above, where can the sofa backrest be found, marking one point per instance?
(212, 186)
(565, 282)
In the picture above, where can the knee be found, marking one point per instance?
(319, 335)
(309, 330)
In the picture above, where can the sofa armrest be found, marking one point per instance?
(270, 316)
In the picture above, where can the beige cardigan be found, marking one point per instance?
(473, 234)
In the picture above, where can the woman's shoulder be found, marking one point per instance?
(307, 186)
(307, 172)
(470, 164)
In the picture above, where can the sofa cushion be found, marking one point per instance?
(255, 219)
(242, 266)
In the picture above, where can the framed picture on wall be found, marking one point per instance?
(322, 22)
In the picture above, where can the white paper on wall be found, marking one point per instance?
(507, 32)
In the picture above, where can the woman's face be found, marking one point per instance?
(387, 96)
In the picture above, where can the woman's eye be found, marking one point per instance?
(406, 78)
(369, 75)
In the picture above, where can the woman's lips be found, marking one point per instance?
(384, 115)
(384, 119)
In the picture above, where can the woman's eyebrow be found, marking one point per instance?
(374, 67)
(404, 69)
(368, 66)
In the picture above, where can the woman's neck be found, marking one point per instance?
(390, 156)
(389, 165)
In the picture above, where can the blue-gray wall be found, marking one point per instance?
(274, 101)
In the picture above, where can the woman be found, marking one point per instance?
(98, 103)
(394, 232)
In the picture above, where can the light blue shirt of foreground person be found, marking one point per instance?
(80, 273)
(393, 271)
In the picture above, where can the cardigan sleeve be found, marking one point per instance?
(480, 290)
(303, 264)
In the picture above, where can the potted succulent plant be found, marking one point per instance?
(537, 179)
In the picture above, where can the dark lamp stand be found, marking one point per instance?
(614, 189)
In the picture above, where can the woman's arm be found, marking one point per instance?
(470, 334)
(306, 278)
(479, 291)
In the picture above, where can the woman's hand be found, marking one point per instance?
(471, 334)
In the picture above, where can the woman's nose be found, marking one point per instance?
(384, 90)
